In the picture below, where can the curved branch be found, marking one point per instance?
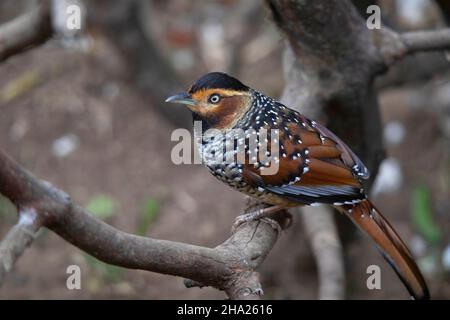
(25, 31)
(229, 267)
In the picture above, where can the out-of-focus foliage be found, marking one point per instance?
(148, 214)
(106, 271)
(422, 215)
(101, 206)
(20, 85)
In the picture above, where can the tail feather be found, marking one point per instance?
(371, 221)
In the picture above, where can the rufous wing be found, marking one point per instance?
(314, 166)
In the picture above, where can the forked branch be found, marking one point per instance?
(229, 267)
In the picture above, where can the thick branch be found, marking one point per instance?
(25, 31)
(426, 40)
(229, 267)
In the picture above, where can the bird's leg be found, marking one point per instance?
(257, 214)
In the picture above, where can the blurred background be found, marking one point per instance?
(86, 114)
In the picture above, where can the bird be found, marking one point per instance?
(313, 165)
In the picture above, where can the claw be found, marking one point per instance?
(255, 215)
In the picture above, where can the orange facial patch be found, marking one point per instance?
(226, 112)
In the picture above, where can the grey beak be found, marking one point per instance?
(183, 98)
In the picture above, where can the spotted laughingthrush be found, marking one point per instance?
(313, 165)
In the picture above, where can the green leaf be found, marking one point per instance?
(422, 216)
(148, 214)
(101, 206)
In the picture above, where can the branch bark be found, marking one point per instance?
(25, 31)
(17, 240)
(394, 46)
(229, 267)
(426, 40)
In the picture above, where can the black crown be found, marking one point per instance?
(218, 80)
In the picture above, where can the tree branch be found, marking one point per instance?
(394, 46)
(17, 240)
(229, 267)
(25, 31)
(426, 40)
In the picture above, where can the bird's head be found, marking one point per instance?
(217, 99)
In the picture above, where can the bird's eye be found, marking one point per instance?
(214, 98)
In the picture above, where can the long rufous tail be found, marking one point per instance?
(371, 221)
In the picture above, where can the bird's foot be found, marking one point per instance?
(255, 215)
